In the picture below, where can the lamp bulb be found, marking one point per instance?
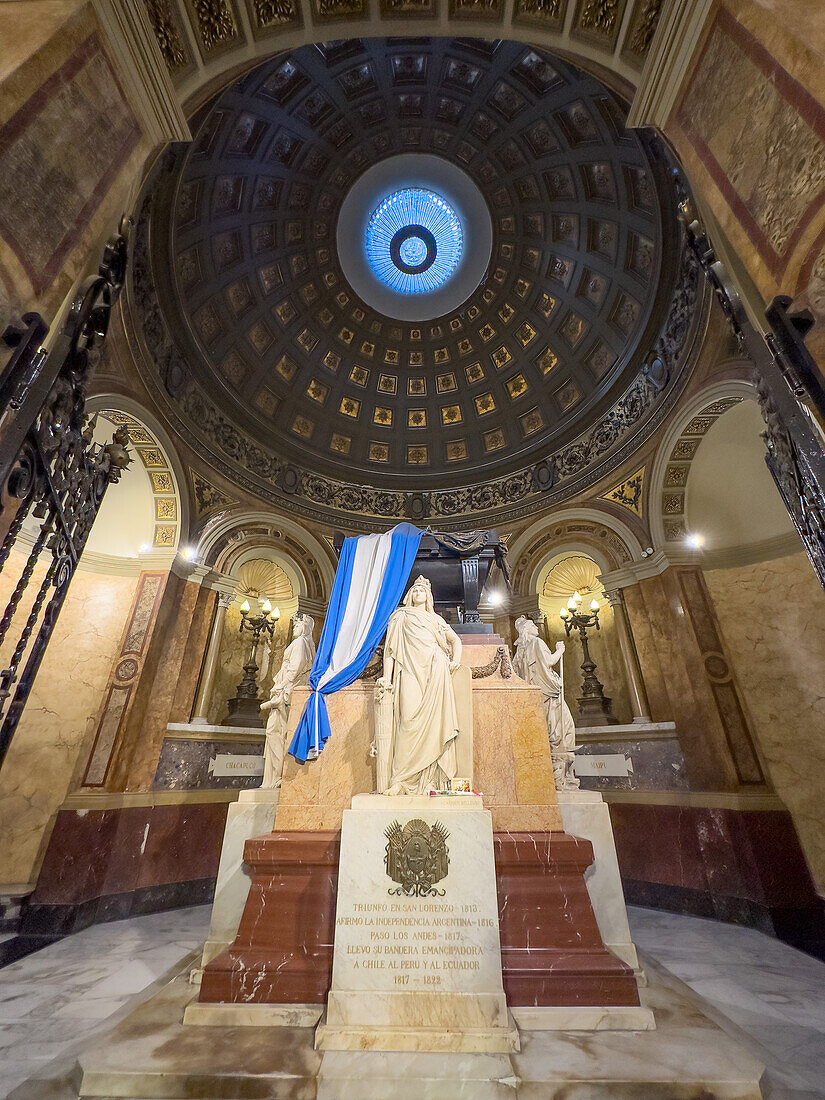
(571, 604)
(276, 614)
(564, 613)
(577, 597)
(266, 607)
(245, 607)
(594, 605)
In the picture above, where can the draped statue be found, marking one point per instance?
(416, 719)
(298, 657)
(535, 663)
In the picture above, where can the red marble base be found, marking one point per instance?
(551, 949)
(283, 951)
(552, 953)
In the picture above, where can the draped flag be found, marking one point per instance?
(369, 582)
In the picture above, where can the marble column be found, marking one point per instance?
(210, 663)
(635, 682)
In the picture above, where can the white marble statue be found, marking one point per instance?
(416, 719)
(535, 663)
(298, 657)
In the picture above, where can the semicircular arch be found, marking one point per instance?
(589, 531)
(671, 464)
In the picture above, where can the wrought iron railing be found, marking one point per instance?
(51, 471)
(791, 393)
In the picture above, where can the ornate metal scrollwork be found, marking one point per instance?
(50, 468)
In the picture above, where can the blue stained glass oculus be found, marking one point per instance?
(413, 241)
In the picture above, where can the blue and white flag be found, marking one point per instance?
(369, 583)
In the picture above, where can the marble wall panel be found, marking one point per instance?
(749, 126)
(60, 716)
(70, 149)
(174, 653)
(739, 865)
(676, 680)
(124, 675)
(772, 616)
(184, 765)
(658, 764)
(135, 848)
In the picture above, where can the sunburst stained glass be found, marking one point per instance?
(413, 241)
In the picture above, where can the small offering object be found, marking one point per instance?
(456, 786)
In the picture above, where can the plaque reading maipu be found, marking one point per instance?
(416, 856)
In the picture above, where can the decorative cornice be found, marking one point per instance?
(141, 67)
(674, 44)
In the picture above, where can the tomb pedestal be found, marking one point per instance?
(555, 968)
(417, 964)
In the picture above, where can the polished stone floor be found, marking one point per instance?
(766, 995)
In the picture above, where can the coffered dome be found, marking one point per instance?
(287, 372)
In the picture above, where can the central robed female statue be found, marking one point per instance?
(416, 720)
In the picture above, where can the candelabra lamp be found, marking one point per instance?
(245, 708)
(595, 707)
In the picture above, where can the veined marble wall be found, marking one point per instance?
(62, 710)
(70, 148)
(772, 616)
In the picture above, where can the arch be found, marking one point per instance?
(671, 463)
(152, 448)
(232, 538)
(588, 531)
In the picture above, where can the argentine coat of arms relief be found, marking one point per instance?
(417, 858)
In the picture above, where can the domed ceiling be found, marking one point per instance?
(270, 363)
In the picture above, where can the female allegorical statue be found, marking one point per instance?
(535, 663)
(297, 661)
(420, 654)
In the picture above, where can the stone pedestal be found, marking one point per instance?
(252, 815)
(417, 967)
(585, 814)
(551, 949)
(283, 951)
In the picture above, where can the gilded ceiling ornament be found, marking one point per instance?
(273, 12)
(645, 23)
(550, 11)
(261, 578)
(628, 494)
(285, 359)
(599, 15)
(215, 22)
(208, 498)
(166, 32)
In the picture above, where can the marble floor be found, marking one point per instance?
(766, 995)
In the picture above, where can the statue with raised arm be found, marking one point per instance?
(537, 664)
(298, 657)
(416, 719)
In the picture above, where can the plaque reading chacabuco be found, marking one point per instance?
(417, 858)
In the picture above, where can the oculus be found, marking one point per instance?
(414, 241)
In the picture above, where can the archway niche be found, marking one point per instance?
(265, 561)
(575, 547)
(563, 574)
